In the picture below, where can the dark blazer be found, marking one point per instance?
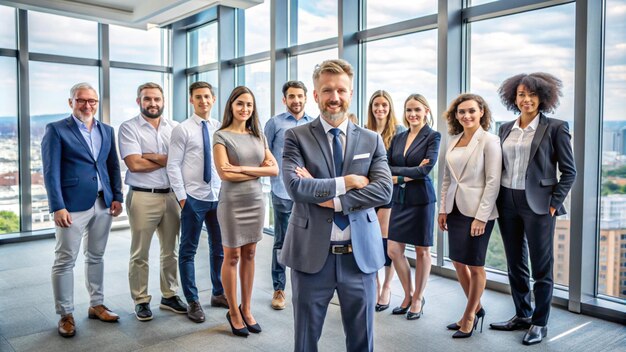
(420, 191)
(69, 169)
(551, 148)
(307, 240)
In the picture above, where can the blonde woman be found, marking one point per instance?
(381, 119)
(411, 157)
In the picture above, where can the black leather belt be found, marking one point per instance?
(341, 248)
(151, 190)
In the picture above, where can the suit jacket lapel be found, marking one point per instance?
(322, 140)
(539, 133)
(352, 139)
(451, 144)
(74, 128)
(469, 150)
(418, 141)
(505, 132)
(104, 138)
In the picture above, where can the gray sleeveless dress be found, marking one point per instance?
(240, 209)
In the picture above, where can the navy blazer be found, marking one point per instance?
(69, 169)
(551, 147)
(420, 191)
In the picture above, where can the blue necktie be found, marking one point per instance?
(342, 221)
(207, 152)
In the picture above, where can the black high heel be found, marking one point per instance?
(400, 310)
(461, 335)
(413, 316)
(243, 332)
(480, 314)
(255, 329)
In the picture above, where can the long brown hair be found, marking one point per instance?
(252, 124)
(390, 125)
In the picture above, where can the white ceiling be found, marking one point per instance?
(132, 13)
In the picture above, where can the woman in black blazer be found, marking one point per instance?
(534, 147)
(411, 156)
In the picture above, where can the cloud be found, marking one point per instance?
(317, 20)
(257, 28)
(382, 12)
(53, 34)
(137, 45)
(50, 85)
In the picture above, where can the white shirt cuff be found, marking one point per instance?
(337, 204)
(340, 186)
(340, 189)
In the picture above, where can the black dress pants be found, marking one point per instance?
(525, 234)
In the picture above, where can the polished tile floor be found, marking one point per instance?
(28, 320)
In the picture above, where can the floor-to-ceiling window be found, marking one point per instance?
(57, 57)
(505, 46)
(611, 276)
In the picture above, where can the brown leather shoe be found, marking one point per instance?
(278, 301)
(219, 301)
(66, 326)
(103, 313)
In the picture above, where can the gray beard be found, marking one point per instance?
(334, 117)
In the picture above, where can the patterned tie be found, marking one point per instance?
(207, 152)
(342, 221)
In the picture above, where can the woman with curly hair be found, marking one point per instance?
(381, 119)
(534, 147)
(467, 210)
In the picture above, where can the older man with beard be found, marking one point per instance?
(294, 98)
(335, 172)
(151, 204)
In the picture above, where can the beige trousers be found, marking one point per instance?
(148, 212)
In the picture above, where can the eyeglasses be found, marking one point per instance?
(91, 102)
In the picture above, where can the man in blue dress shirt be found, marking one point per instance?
(82, 177)
(294, 98)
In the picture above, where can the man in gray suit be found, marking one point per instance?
(335, 172)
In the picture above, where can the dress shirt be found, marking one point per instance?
(185, 161)
(275, 134)
(516, 154)
(340, 184)
(137, 137)
(93, 139)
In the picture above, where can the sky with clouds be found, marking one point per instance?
(541, 40)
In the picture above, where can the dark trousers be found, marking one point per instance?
(282, 212)
(194, 213)
(357, 296)
(525, 234)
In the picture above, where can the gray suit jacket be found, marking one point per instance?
(551, 148)
(307, 241)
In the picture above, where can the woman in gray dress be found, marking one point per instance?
(241, 158)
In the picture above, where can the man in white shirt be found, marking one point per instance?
(151, 204)
(196, 184)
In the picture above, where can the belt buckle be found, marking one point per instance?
(340, 249)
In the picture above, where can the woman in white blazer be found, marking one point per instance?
(471, 183)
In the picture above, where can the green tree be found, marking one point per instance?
(9, 222)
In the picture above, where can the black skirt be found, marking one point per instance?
(464, 248)
(412, 224)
